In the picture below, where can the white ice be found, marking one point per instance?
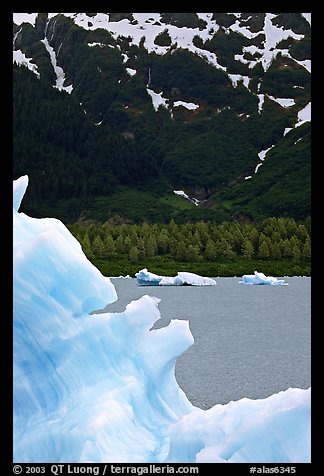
(260, 278)
(101, 387)
(145, 277)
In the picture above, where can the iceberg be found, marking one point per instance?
(260, 278)
(93, 388)
(146, 278)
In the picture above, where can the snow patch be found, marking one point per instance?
(60, 75)
(307, 16)
(131, 71)
(235, 78)
(187, 105)
(274, 35)
(101, 45)
(263, 153)
(20, 58)
(19, 18)
(181, 193)
(261, 102)
(304, 115)
(157, 99)
(284, 102)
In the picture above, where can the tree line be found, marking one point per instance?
(270, 239)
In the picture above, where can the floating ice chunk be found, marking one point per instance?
(146, 278)
(260, 278)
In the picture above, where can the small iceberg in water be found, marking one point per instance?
(260, 278)
(145, 278)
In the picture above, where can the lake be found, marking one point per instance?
(250, 341)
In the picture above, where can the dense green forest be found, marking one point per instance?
(276, 246)
(78, 169)
(91, 153)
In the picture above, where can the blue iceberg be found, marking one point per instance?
(260, 278)
(94, 388)
(146, 278)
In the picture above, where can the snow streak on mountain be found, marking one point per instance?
(199, 101)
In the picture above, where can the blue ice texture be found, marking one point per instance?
(101, 387)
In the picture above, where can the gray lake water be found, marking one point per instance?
(250, 341)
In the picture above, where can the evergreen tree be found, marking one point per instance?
(98, 246)
(306, 251)
(119, 245)
(229, 253)
(295, 250)
(151, 246)
(133, 254)
(247, 248)
(275, 252)
(264, 251)
(180, 251)
(109, 246)
(192, 253)
(286, 250)
(141, 249)
(86, 246)
(210, 251)
(163, 242)
(128, 243)
(302, 233)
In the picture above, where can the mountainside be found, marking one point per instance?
(114, 112)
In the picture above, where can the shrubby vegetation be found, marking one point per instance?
(163, 39)
(226, 45)
(190, 20)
